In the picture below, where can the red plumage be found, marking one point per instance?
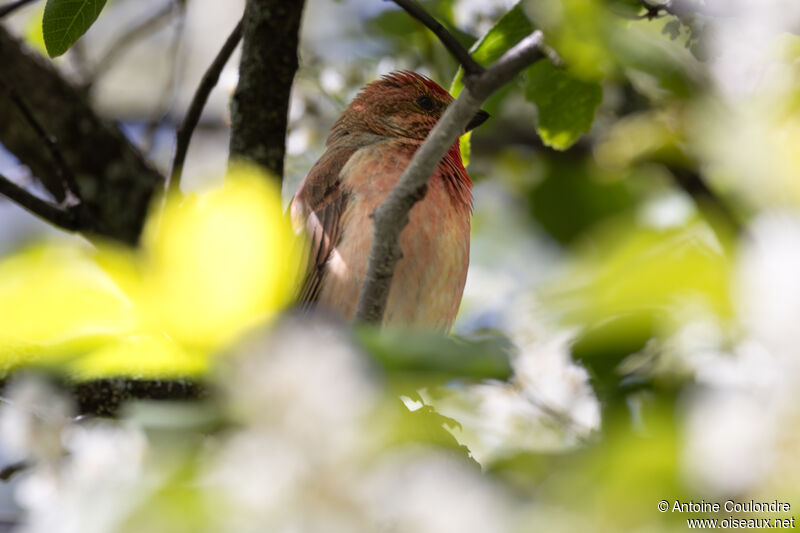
(368, 148)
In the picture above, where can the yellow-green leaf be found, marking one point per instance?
(507, 32)
(211, 266)
(33, 31)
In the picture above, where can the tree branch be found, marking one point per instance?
(207, 83)
(114, 183)
(62, 169)
(461, 54)
(260, 105)
(391, 216)
(717, 213)
(65, 219)
(9, 471)
(13, 6)
(170, 88)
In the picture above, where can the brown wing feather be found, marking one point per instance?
(318, 206)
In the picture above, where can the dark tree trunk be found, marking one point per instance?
(260, 104)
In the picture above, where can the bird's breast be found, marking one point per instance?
(429, 279)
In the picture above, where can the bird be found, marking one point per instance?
(367, 149)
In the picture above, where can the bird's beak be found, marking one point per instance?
(479, 118)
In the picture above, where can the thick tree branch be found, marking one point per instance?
(114, 184)
(260, 105)
(391, 216)
(208, 82)
(67, 178)
(64, 218)
(461, 54)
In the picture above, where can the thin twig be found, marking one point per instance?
(170, 89)
(448, 40)
(391, 216)
(13, 6)
(718, 214)
(9, 471)
(139, 31)
(63, 218)
(63, 171)
(207, 83)
(580, 431)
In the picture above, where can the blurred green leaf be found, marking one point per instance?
(174, 416)
(598, 44)
(419, 426)
(178, 504)
(575, 195)
(566, 105)
(527, 470)
(625, 8)
(431, 352)
(65, 21)
(636, 468)
(605, 344)
(630, 269)
(579, 32)
(672, 29)
(34, 37)
(631, 284)
(465, 146)
(194, 286)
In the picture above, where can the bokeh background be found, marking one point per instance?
(642, 284)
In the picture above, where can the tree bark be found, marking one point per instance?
(260, 104)
(114, 182)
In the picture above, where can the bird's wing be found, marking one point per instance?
(317, 207)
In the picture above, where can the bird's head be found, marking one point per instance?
(400, 104)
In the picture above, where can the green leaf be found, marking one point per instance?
(566, 104)
(33, 31)
(422, 352)
(420, 426)
(574, 195)
(466, 148)
(506, 32)
(65, 21)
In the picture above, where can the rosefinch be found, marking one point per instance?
(367, 150)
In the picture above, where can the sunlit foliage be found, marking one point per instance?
(210, 267)
(628, 335)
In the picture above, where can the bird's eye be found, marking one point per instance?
(425, 102)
